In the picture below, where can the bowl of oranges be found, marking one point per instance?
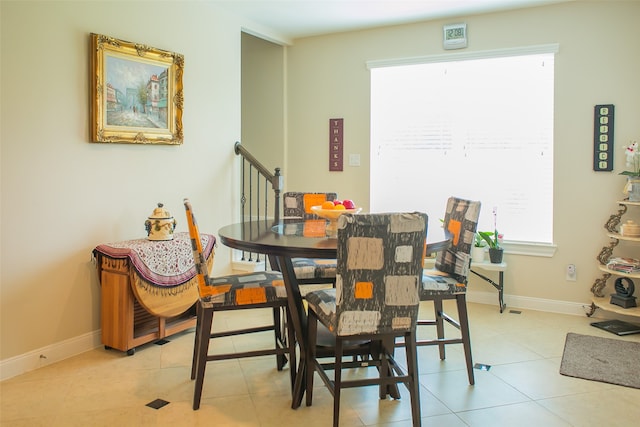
(331, 210)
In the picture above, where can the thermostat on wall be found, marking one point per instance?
(455, 36)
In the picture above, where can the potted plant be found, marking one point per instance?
(493, 240)
(478, 250)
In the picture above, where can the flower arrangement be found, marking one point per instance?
(493, 238)
(632, 152)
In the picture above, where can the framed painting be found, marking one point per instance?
(136, 93)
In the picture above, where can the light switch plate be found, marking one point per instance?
(354, 159)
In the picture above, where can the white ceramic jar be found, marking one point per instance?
(160, 224)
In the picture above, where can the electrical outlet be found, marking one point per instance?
(571, 273)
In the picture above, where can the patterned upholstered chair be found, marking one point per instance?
(234, 292)
(448, 279)
(297, 205)
(376, 297)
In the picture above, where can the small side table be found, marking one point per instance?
(500, 268)
(487, 266)
(148, 289)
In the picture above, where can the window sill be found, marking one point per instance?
(528, 248)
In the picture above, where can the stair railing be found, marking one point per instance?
(259, 186)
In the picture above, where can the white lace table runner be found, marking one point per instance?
(163, 263)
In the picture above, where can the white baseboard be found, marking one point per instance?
(529, 303)
(44, 356)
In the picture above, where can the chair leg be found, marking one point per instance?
(299, 383)
(385, 369)
(337, 382)
(312, 332)
(461, 301)
(412, 371)
(196, 343)
(291, 343)
(281, 359)
(204, 334)
(437, 306)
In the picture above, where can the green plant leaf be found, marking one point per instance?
(479, 243)
(491, 237)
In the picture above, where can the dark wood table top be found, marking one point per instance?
(299, 238)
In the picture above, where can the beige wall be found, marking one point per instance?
(598, 63)
(62, 196)
(263, 103)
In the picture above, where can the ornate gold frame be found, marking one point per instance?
(126, 114)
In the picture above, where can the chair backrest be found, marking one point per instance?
(379, 272)
(298, 205)
(202, 272)
(461, 220)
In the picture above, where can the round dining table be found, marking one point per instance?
(299, 238)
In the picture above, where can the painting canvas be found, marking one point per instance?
(136, 93)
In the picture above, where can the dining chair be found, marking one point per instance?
(262, 289)
(297, 205)
(448, 279)
(379, 268)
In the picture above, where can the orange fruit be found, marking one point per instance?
(328, 205)
(339, 207)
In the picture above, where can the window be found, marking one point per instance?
(476, 127)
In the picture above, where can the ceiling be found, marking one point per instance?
(302, 18)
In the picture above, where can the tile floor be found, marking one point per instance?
(522, 387)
